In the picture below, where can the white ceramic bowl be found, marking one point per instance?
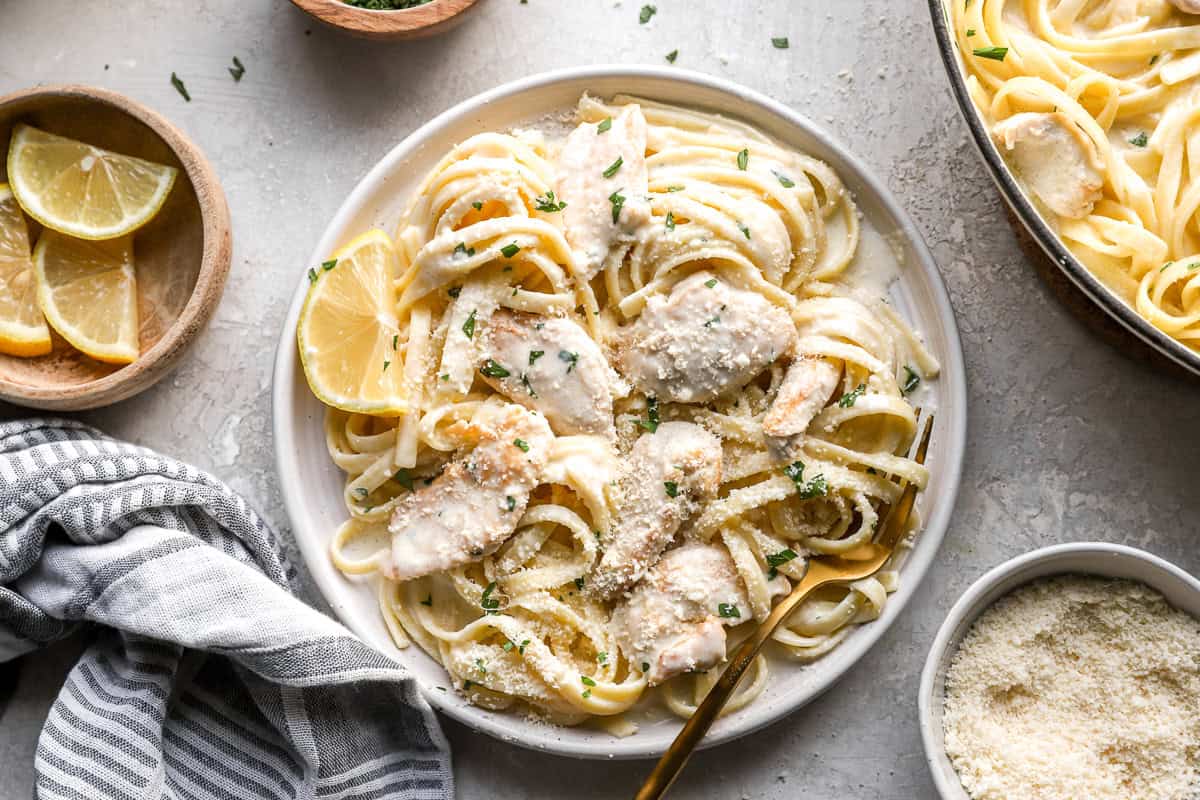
(312, 485)
(1086, 558)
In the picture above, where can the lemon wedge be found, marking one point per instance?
(81, 190)
(348, 331)
(88, 292)
(23, 330)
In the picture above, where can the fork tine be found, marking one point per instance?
(895, 519)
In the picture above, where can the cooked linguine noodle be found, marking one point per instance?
(1095, 104)
(510, 300)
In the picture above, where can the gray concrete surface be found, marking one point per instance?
(1069, 439)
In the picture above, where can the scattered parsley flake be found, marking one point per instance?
(779, 42)
(508, 646)
(614, 167)
(510, 502)
(312, 276)
(534, 355)
(646, 13)
(817, 487)
(570, 358)
(601, 657)
(670, 220)
(579, 582)
(549, 203)
(911, 380)
(469, 326)
(454, 291)
(478, 206)
(605, 126)
(850, 398)
(510, 250)
(237, 70)
(461, 247)
(521, 646)
(617, 200)
(674, 188)
(494, 369)
(711, 283)
(970, 32)
(328, 265)
(386, 364)
(650, 423)
(1140, 140)
(745, 231)
(179, 87)
(728, 611)
(488, 603)
(521, 445)
(428, 601)
(743, 159)
(361, 492)
(994, 53)
(785, 181)
(404, 478)
(671, 56)
(776, 560)
(645, 666)
(672, 488)
(586, 681)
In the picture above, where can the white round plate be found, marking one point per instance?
(312, 485)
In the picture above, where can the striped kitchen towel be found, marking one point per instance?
(204, 677)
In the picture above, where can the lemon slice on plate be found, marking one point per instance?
(23, 330)
(81, 190)
(88, 292)
(348, 330)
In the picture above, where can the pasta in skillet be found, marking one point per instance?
(641, 395)
(1094, 104)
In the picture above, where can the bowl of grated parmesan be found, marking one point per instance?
(1069, 672)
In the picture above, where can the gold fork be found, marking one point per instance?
(862, 562)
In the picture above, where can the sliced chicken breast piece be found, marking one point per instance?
(551, 365)
(674, 620)
(602, 179)
(702, 340)
(806, 388)
(666, 478)
(1054, 158)
(474, 505)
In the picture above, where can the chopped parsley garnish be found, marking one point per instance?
(614, 167)
(671, 56)
(521, 646)
(586, 680)
(645, 666)
(851, 397)
(510, 502)
(911, 380)
(361, 492)
(674, 188)
(312, 276)
(528, 386)
(711, 283)
(650, 423)
(428, 601)
(670, 220)
(1153, 59)
(510, 250)
(508, 646)
(776, 560)
(488, 603)
(549, 203)
(237, 70)
(1140, 140)
(534, 355)
(328, 265)
(479, 666)
(179, 87)
(445, 376)
(779, 42)
(469, 326)
(602, 658)
(454, 291)
(745, 231)
(478, 206)
(493, 369)
(395, 341)
(386, 364)
(728, 611)
(994, 53)
(604, 126)
(403, 478)
(785, 181)
(521, 445)
(646, 13)
(617, 199)
(817, 487)
(970, 32)
(570, 358)
(467, 685)
(579, 583)
(587, 693)
(743, 159)
(461, 247)
(712, 322)
(672, 488)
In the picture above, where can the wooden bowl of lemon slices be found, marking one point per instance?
(114, 247)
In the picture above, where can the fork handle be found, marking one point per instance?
(671, 764)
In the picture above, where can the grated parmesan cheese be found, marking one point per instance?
(1077, 687)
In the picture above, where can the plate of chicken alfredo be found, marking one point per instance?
(581, 377)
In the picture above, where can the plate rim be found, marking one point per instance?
(1018, 202)
(953, 376)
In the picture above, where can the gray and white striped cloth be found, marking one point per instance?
(204, 677)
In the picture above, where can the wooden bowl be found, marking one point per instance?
(410, 23)
(182, 256)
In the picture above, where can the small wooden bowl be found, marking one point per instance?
(410, 23)
(182, 256)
